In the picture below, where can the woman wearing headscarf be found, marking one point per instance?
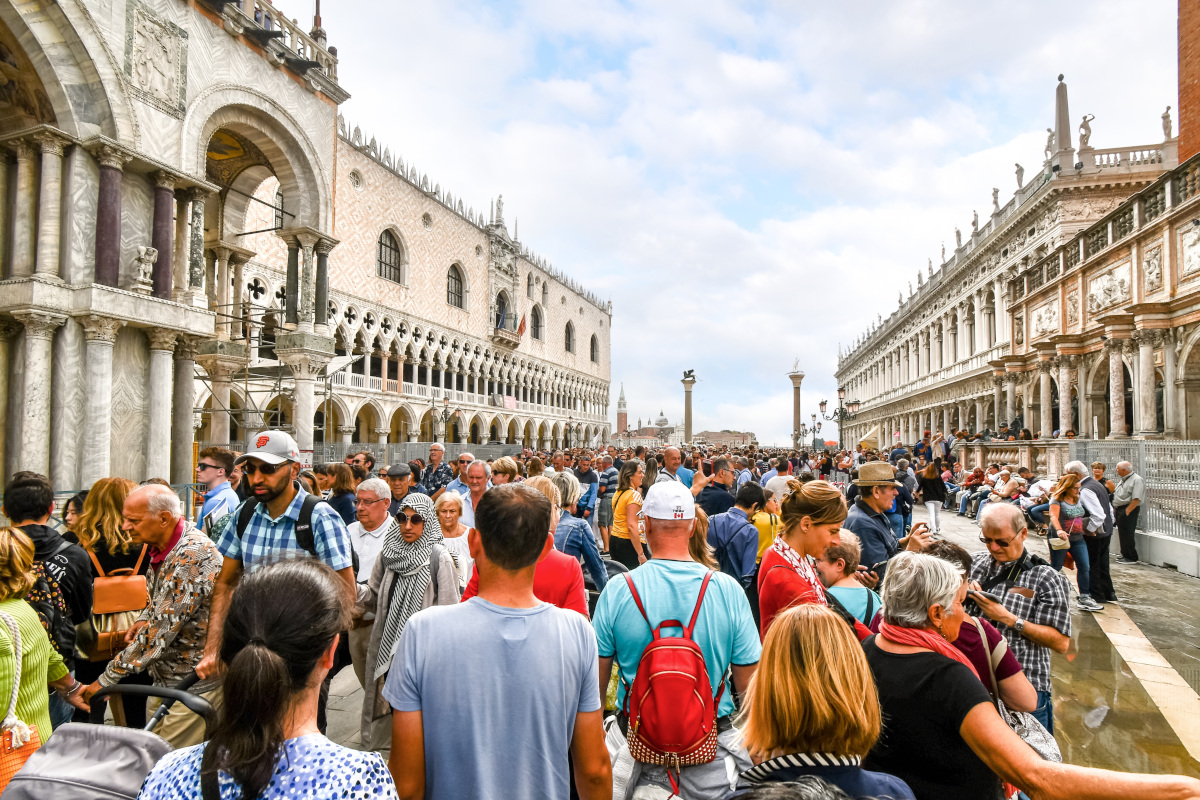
(414, 571)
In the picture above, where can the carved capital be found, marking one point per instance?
(346, 430)
(50, 144)
(164, 180)
(24, 149)
(185, 348)
(197, 194)
(109, 156)
(1115, 345)
(1045, 366)
(161, 339)
(325, 246)
(101, 329)
(40, 324)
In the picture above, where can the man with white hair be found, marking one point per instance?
(1127, 499)
(1034, 612)
(1094, 496)
(167, 640)
(368, 533)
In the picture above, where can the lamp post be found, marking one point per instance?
(444, 416)
(844, 414)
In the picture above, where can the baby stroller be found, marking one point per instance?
(93, 762)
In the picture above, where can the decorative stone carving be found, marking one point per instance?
(957, 237)
(1109, 289)
(143, 267)
(995, 200)
(1073, 308)
(974, 221)
(40, 324)
(1019, 330)
(1191, 251)
(101, 329)
(1085, 131)
(1045, 320)
(1152, 269)
(185, 348)
(161, 339)
(1020, 176)
(156, 58)
(1166, 121)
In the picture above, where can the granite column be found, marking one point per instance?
(162, 235)
(108, 216)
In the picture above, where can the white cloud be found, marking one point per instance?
(749, 185)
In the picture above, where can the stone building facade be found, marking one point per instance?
(1079, 290)
(193, 247)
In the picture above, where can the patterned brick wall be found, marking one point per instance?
(1189, 78)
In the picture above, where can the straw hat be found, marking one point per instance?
(877, 473)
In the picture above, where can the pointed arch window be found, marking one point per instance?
(390, 263)
(536, 326)
(454, 286)
(569, 338)
(595, 349)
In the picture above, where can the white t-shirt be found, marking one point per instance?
(457, 545)
(367, 544)
(778, 485)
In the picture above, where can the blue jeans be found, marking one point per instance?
(1038, 513)
(1083, 564)
(1045, 708)
(896, 521)
(962, 504)
(60, 710)
(979, 509)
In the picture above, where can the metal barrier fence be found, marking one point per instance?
(406, 451)
(1171, 470)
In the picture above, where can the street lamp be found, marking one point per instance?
(844, 413)
(444, 416)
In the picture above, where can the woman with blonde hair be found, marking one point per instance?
(812, 708)
(1065, 535)
(40, 664)
(698, 547)
(812, 515)
(504, 470)
(110, 549)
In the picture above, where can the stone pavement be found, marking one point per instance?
(1106, 715)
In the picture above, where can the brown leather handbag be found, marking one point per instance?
(117, 596)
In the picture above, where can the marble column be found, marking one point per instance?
(1147, 408)
(962, 416)
(8, 330)
(49, 230)
(218, 415)
(1116, 389)
(162, 235)
(1085, 409)
(196, 259)
(323, 248)
(183, 402)
(688, 383)
(1000, 312)
(158, 406)
(1065, 368)
(179, 260)
(308, 279)
(1170, 420)
(347, 432)
(998, 401)
(220, 292)
(23, 241)
(100, 333)
(108, 216)
(306, 365)
(237, 292)
(35, 422)
(980, 415)
(1010, 399)
(291, 312)
(946, 431)
(1045, 406)
(796, 377)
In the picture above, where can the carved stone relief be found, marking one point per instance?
(1152, 269)
(1045, 320)
(1073, 308)
(1089, 208)
(1109, 288)
(1019, 330)
(156, 59)
(1190, 259)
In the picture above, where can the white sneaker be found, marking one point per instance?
(1086, 603)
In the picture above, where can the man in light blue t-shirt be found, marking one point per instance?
(725, 632)
(491, 694)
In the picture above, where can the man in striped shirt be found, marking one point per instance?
(605, 488)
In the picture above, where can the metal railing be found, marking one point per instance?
(1171, 470)
(403, 452)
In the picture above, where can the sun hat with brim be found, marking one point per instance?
(272, 447)
(877, 473)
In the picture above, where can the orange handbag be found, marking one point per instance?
(18, 741)
(120, 590)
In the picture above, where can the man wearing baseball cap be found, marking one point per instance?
(271, 469)
(669, 585)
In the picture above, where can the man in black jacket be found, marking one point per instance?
(29, 502)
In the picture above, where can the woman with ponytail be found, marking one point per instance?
(279, 641)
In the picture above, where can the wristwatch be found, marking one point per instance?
(1019, 626)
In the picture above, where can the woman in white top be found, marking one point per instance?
(449, 509)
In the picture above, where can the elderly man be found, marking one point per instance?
(438, 474)
(400, 480)
(459, 484)
(1034, 612)
(1095, 498)
(478, 474)
(368, 533)
(1127, 501)
(868, 517)
(167, 640)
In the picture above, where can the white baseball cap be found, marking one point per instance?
(272, 447)
(669, 500)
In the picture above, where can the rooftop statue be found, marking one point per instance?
(1085, 131)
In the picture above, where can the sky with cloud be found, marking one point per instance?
(750, 183)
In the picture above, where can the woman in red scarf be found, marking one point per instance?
(942, 735)
(812, 516)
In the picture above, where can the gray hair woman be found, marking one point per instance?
(940, 714)
(414, 571)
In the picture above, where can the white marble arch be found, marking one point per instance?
(282, 139)
(81, 76)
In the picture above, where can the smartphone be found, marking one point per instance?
(987, 595)
(877, 565)
(707, 466)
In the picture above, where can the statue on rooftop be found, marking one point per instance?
(943, 252)
(975, 221)
(995, 200)
(1049, 143)
(957, 236)
(1020, 176)
(1085, 131)
(1166, 118)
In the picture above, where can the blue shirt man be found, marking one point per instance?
(218, 502)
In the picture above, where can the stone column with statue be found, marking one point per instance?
(796, 377)
(689, 380)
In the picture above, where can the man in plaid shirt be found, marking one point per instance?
(1035, 615)
(272, 468)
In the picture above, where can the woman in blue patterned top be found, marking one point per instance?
(279, 641)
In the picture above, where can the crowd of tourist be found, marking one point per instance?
(701, 623)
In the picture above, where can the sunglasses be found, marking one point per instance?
(410, 519)
(249, 468)
(201, 467)
(1001, 543)
(464, 461)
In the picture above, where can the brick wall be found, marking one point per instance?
(1189, 78)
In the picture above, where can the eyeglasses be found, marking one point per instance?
(249, 468)
(358, 502)
(201, 467)
(410, 519)
(464, 461)
(1001, 543)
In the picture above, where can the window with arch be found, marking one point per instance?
(535, 323)
(595, 349)
(390, 264)
(502, 311)
(569, 338)
(454, 286)
(278, 209)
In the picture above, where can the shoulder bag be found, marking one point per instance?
(18, 741)
(1023, 724)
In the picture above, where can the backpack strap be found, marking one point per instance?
(870, 613)
(137, 568)
(100, 569)
(304, 530)
(696, 612)
(245, 512)
(637, 599)
(435, 559)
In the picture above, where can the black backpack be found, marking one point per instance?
(304, 531)
(46, 598)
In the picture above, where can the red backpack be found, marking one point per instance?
(672, 713)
